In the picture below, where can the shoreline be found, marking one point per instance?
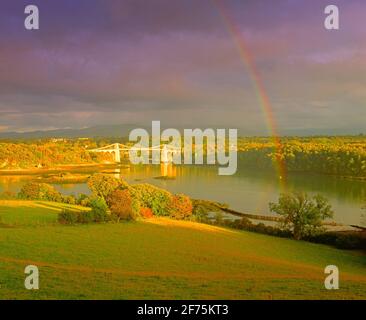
(86, 166)
(78, 172)
(59, 168)
(329, 225)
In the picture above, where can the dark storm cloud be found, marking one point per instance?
(97, 62)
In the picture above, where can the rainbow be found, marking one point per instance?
(259, 87)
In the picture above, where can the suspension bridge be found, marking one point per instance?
(166, 151)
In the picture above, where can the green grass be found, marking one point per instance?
(31, 213)
(163, 258)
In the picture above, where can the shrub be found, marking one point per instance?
(180, 206)
(245, 224)
(157, 199)
(80, 200)
(69, 199)
(120, 204)
(8, 195)
(98, 213)
(201, 208)
(136, 206)
(51, 194)
(67, 216)
(99, 209)
(30, 191)
(83, 200)
(301, 214)
(39, 191)
(219, 218)
(341, 240)
(146, 213)
(86, 217)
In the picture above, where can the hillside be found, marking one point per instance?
(162, 258)
(47, 154)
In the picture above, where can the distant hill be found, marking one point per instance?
(96, 131)
(117, 131)
(123, 130)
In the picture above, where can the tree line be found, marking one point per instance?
(342, 156)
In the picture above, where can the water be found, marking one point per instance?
(247, 191)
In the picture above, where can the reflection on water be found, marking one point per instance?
(168, 170)
(117, 173)
(248, 190)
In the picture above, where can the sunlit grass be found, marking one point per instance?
(31, 213)
(163, 258)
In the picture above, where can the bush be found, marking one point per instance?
(180, 207)
(82, 200)
(67, 216)
(341, 240)
(69, 199)
(149, 196)
(120, 204)
(99, 209)
(136, 206)
(146, 213)
(39, 191)
(86, 217)
(245, 224)
(201, 208)
(8, 195)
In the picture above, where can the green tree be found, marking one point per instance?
(39, 191)
(102, 185)
(99, 209)
(149, 196)
(301, 214)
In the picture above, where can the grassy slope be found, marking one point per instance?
(162, 259)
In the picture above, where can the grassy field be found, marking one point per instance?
(162, 258)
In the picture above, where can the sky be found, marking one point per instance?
(108, 62)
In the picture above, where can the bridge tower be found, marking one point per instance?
(164, 154)
(117, 155)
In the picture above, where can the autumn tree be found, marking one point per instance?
(39, 191)
(120, 204)
(180, 206)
